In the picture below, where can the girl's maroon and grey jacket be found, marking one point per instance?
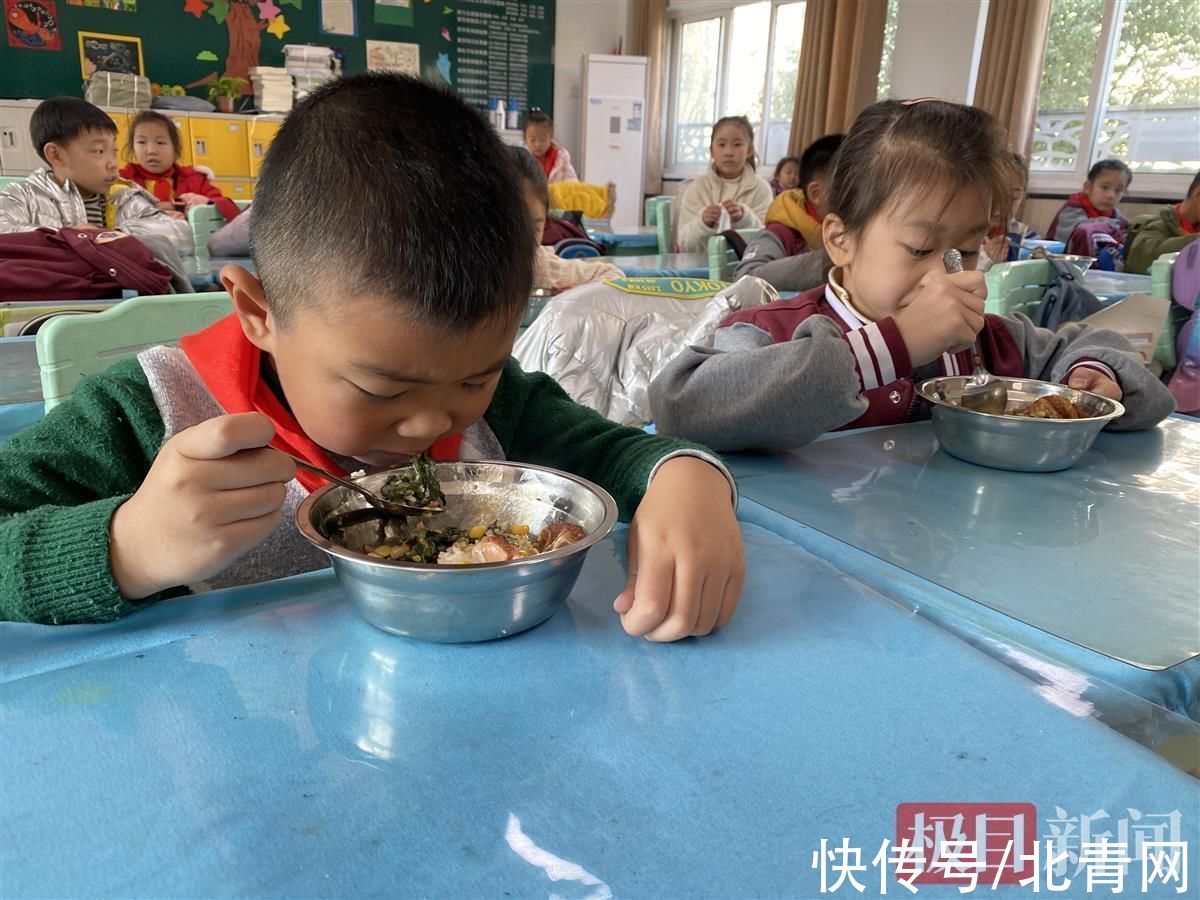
(781, 375)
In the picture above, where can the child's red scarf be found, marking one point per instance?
(228, 364)
(1184, 225)
(1081, 199)
(549, 159)
(162, 186)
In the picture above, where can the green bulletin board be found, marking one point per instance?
(483, 48)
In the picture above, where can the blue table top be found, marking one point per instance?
(20, 378)
(664, 265)
(307, 754)
(1103, 555)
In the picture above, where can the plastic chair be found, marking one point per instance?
(1017, 287)
(652, 205)
(207, 221)
(721, 258)
(70, 347)
(665, 224)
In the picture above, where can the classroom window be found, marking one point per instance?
(732, 59)
(1120, 78)
(884, 89)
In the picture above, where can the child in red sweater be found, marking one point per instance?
(154, 147)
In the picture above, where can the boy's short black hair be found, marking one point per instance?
(532, 176)
(60, 120)
(817, 159)
(427, 209)
(1110, 165)
(1195, 184)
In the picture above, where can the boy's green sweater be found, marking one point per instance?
(62, 479)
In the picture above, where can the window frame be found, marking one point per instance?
(699, 11)
(1145, 184)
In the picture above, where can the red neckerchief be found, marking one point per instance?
(549, 159)
(808, 208)
(228, 364)
(1185, 226)
(162, 186)
(1081, 200)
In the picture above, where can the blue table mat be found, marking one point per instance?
(267, 742)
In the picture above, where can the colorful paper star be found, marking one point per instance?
(443, 67)
(267, 10)
(279, 27)
(196, 7)
(446, 33)
(219, 11)
(446, 10)
(299, 4)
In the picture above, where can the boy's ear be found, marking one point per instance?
(250, 306)
(814, 193)
(52, 153)
(839, 243)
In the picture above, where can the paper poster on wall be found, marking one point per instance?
(110, 53)
(115, 5)
(393, 12)
(32, 24)
(394, 56)
(339, 17)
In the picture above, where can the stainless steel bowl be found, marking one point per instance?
(1011, 442)
(464, 603)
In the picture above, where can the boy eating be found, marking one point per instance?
(389, 300)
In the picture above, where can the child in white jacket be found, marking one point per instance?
(730, 194)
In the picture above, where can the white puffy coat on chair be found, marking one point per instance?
(605, 345)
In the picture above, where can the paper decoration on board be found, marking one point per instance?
(244, 21)
(443, 67)
(394, 57)
(32, 24)
(279, 27)
(446, 10)
(110, 53)
(446, 34)
(299, 4)
(339, 17)
(207, 56)
(114, 5)
(393, 12)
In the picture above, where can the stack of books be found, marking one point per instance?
(272, 88)
(309, 66)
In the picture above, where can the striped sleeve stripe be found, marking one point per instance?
(1092, 364)
(862, 356)
(883, 356)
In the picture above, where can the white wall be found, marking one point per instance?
(580, 27)
(938, 43)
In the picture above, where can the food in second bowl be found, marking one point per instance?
(1051, 406)
(480, 544)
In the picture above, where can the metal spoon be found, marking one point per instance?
(982, 392)
(382, 504)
